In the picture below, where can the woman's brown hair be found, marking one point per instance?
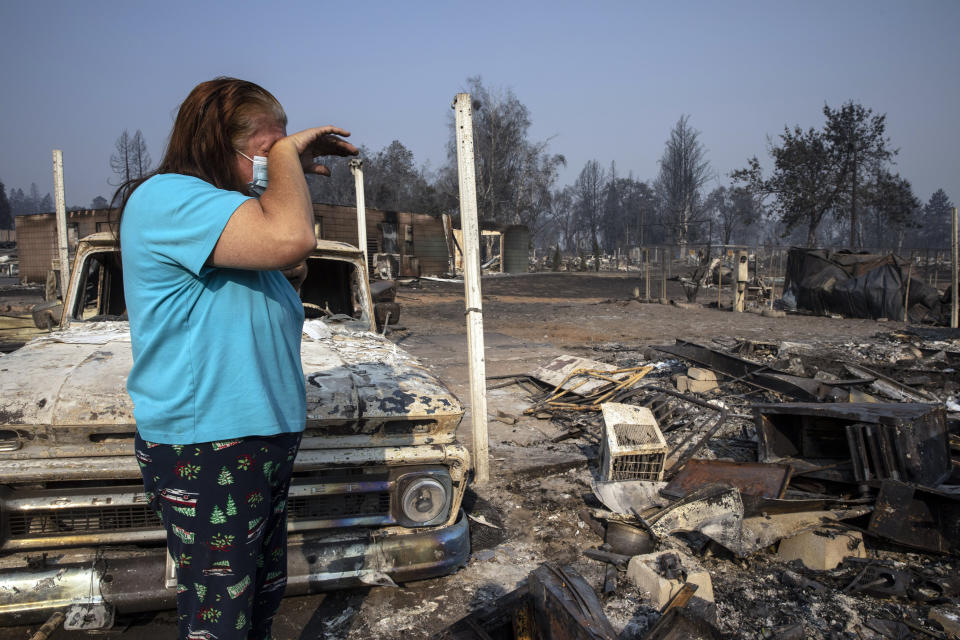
(215, 119)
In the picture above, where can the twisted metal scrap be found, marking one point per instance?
(593, 401)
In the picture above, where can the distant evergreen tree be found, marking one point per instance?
(935, 230)
(6, 213)
(17, 202)
(34, 198)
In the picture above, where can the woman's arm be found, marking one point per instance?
(277, 230)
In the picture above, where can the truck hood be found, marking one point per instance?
(358, 384)
(72, 377)
(361, 376)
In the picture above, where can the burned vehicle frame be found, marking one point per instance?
(377, 484)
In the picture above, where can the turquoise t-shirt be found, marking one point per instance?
(216, 352)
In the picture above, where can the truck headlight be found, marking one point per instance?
(424, 500)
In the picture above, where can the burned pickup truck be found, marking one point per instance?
(377, 484)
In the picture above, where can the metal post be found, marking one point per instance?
(356, 168)
(936, 269)
(742, 275)
(61, 223)
(646, 274)
(953, 271)
(719, 280)
(663, 275)
(471, 283)
(906, 295)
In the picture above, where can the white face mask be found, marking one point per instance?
(259, 183)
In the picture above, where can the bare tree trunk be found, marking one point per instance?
(853, 205)
(596, 251)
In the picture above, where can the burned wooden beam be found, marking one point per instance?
(764, 376)
(566, 607)
(617, 560)
(555, 604)
(890, 387)
(681, 624)
(742, 370)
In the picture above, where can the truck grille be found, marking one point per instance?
(81, 520)
(324, 509)
(342, 505)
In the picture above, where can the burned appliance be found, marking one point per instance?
(633, 447)
(857, 442)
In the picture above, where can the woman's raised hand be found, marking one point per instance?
(321, 141)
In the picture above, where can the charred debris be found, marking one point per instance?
(818, 490)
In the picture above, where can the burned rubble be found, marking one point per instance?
(790, 549)
(748, 489)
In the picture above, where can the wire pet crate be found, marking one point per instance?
(632, 447)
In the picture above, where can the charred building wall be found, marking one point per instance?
(419, 238)
(37, 239)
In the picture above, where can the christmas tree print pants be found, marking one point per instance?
(224, 506)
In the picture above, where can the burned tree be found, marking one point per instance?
(589, 194)
(836, 170)
(803, 183)
(733, 208)
(514, 174)
(130, 160)
(684, 170)
(858, 142)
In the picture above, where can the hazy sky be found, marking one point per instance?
(605, 80)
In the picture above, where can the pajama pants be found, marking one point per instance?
(224, 506)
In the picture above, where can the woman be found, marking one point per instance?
(216, 382)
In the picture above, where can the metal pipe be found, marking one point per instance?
(49, 626)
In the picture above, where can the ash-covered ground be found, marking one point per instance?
(540, 482)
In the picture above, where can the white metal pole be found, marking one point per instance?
(61, 223)
(356, 167)
(471, 283)
(955, 295)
